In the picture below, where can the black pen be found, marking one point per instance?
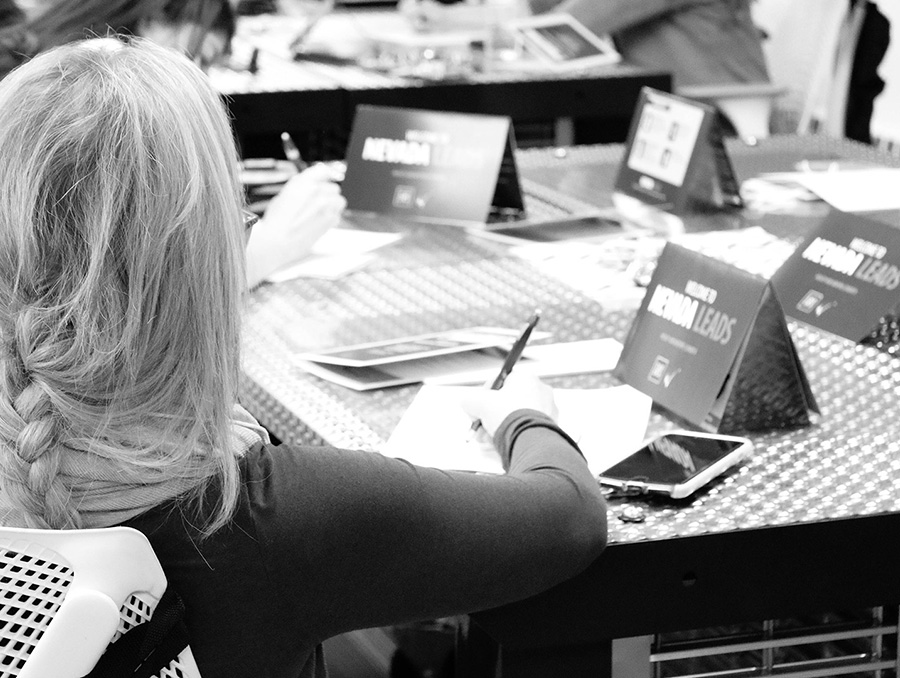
(511, 359)
(291, 152)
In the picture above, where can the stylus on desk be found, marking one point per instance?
(510, 361)
(292, 153)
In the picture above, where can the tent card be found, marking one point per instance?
(844, 277)
(710, 345)
(431, 166)
(675, 159)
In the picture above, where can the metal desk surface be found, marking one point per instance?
(801, 527)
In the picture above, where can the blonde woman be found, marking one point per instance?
(121, 282)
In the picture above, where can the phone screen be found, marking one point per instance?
(671, 459)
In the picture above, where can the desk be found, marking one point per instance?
(804, 527)
(315, 97)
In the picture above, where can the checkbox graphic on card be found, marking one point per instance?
(658, 370)
(809, 301)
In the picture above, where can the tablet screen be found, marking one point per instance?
(565, 42)
(560, 41)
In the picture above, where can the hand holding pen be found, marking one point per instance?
(309, 204)
(291, 152)
(510, 361)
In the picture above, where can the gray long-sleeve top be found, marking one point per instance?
(325, 541)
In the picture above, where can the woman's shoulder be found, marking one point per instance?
(270, 464)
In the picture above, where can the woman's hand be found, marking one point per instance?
(309, 204)
(519, 392)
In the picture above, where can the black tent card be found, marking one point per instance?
(675, 159)
(710, 344)
(844, 277)
(431, 166)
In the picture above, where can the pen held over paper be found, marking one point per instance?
(292, 153)
(511, 359)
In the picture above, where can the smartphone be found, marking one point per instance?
(677, 463)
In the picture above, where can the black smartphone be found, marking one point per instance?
(677, 463)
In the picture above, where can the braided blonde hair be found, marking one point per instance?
(121, 278)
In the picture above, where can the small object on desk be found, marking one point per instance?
(632, 514)
(511, 359)
(253, 66)
(292, 153)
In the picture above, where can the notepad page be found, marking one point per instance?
(607, 423)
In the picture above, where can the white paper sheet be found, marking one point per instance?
(607, 423)
(338, 252)
(546, 360)
(856, 190)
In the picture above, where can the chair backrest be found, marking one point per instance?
(65, 595)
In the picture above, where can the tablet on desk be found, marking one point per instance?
(559, 42)
(385, 375)
(418, 347)
(412, 359)
(569, 228)
(548, 215)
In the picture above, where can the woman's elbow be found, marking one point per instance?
(591, 534)
(584, 536)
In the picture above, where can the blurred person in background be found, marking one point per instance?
(200, 28)
(701, 42)
(308, 205)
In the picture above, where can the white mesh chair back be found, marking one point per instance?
(65, 595)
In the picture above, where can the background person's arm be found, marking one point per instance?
(609, 16)
(308, 205)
